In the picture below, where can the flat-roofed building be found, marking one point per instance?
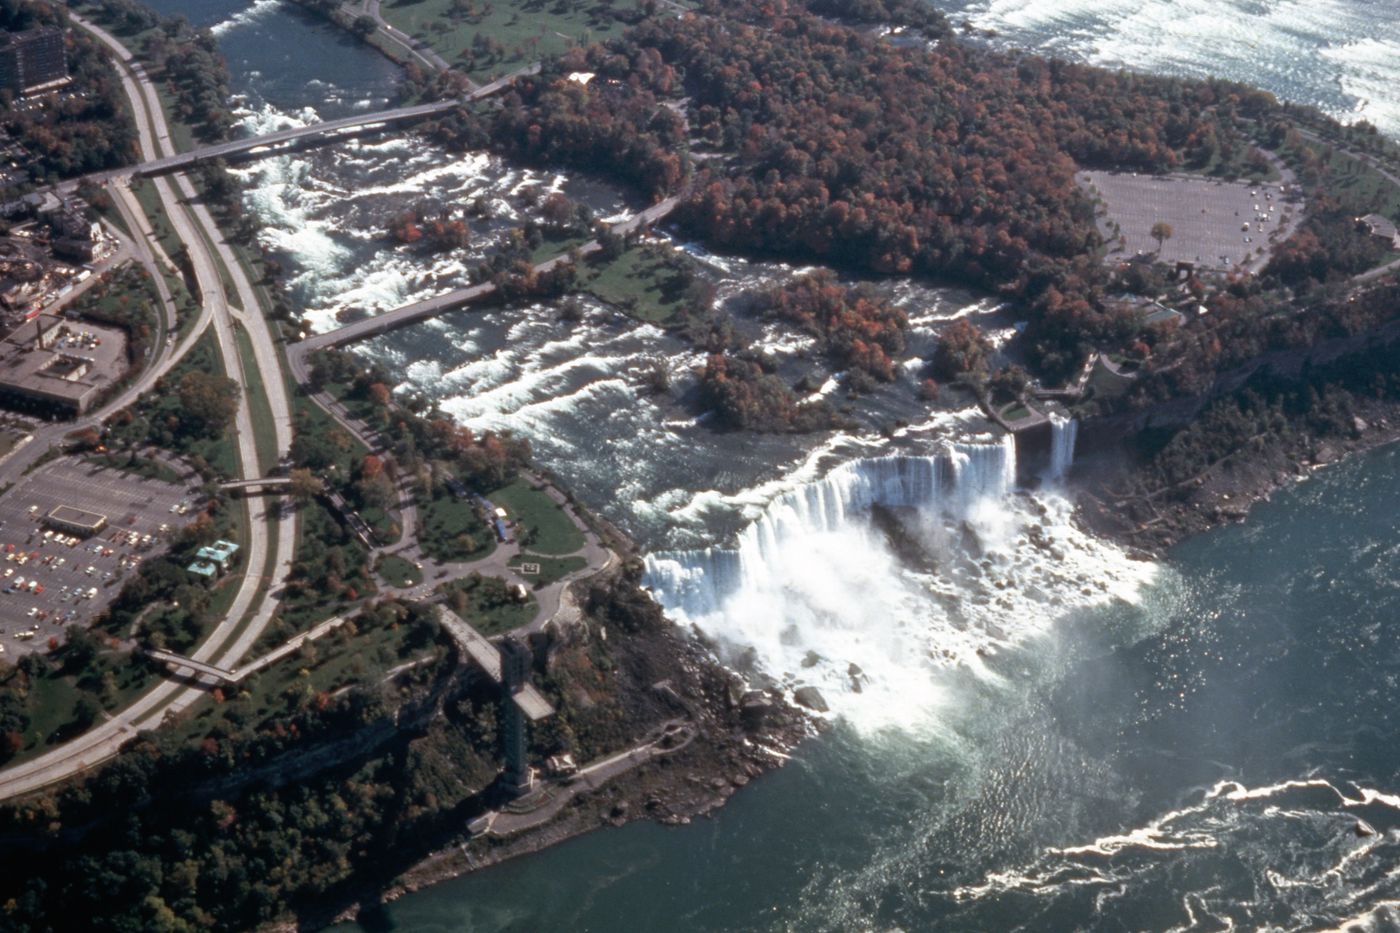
(33, 60)
(58, 367)
(212, 560)
(75, 521)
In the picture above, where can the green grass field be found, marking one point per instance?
(451, 531)
(260, 410)
(346, 657)
(396, 571)
(310, 418)
(646, 284)
(489, 609)
(487, 38)
(1357, 187)
(155, 409)
(145, 191)
(543, 526)
(551, 568)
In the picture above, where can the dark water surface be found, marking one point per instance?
(1196, 762)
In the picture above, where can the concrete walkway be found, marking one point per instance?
(545, 803)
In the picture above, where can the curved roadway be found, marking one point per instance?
(227, 643)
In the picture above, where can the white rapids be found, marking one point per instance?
(817, 593)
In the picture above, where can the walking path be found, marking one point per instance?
(545, 803)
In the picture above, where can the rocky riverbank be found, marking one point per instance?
(697, 734)
(1223, 493)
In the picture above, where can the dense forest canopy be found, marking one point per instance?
(811, 139)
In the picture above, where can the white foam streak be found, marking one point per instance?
(1339, 55)
(257, 11)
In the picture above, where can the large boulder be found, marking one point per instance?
(811, 698)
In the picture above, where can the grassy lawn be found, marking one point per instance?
(139, 466)
(348, 656)
(113, 299)
(52, 699)
(181, 136)
(553, 245)
(260, 410)
(146, 194)
(386, 530)
(325, 551)
(551, 568)
(396, 571)
(543, 526)
(344, 449)
(487, 604)
(451, 531)
(360, 408)
(1357, 187)
(512, 32)
(647, 284)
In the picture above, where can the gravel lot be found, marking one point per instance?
(1207, 217)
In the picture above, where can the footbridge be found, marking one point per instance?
(449, 301)
(329, 131)
(189, 667)
(257, 482)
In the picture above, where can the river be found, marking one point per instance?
(1048, 735)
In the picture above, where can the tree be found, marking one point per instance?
(1161, 232)
(962, 351)
(209, 402)
(306, 485)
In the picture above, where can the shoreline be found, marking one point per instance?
(735, 735)
(1225, 492)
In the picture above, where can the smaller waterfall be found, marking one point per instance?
(1064, 432)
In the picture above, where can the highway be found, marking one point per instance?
(227, 644)
(269, 553)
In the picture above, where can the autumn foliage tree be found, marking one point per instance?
(961, 353)
(745, 395)
(859, 330)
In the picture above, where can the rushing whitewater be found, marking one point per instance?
(1064, 432)
(871, 581)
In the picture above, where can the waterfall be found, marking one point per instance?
(700, 582)
(814, 592)
(1064, 432)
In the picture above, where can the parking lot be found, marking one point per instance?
(55, 578)
(1215, 224)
